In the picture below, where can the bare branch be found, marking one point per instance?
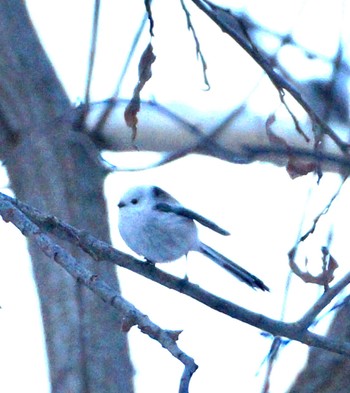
(231, 140)
(227, 21)
(323, 302)
(85, 108)
(199, 141)
(132, 316)
(206, 142)
(323, 212)
(272, 357)
(150, 17)
(198, 47)
(328, 160)
(92, 50)
(9, 209)
(112, 101)
(329, 264)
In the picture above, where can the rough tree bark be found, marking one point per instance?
(327, 372)
(55, 169)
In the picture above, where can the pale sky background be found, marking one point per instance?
(258, 203)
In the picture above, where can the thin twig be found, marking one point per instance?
(92, 57)
(150, 17)
(113, 100)
(198, 47)
(329, 264)
(272, 357)
(292, 115)
(287, 38)
(323, 212)
(225, 20)
(277, 342)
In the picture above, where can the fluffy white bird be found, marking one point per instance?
(156, 226)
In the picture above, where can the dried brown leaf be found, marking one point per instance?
(295, 166)
(145, 64)
(324, 278)
(273, 138)
(145, 74)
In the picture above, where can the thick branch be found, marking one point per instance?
(103, 251)
(131, 315)
(234, 139)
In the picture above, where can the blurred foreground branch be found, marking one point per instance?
(232, 139)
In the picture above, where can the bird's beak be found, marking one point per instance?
(121, 204)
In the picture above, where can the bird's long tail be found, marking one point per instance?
(232, 267)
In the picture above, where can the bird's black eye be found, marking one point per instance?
(134, 201)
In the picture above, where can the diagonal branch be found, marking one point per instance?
(24, 217)
(323, 301)
(322, 213)
(232, 26)
(132, 316)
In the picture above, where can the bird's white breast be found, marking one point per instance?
(156, 235)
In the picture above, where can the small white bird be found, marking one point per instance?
(156, 226)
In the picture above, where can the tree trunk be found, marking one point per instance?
(55, 169)
(327, 372)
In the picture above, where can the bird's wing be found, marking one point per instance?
(182, 211)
